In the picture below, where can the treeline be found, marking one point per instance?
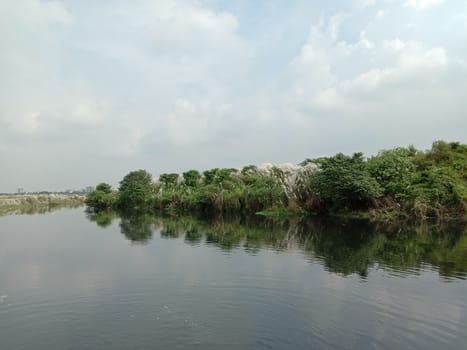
(401, 182)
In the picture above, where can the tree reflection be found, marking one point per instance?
(344, 247)
(355, 247)
(193, 235)
(102, 219)
(137, 228)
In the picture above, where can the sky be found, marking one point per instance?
(90, 90)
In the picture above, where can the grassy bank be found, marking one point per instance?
(400, 183)
(29, 204)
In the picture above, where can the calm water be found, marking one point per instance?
(72, 282)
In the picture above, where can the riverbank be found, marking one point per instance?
(29, 204)
(400, 183)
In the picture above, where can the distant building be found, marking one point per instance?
(20, 190)
(89, 189)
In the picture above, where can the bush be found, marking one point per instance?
(102, 198)
(192, 178)
(394, 170)
(344, 182)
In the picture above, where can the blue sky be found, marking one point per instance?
(93, 89)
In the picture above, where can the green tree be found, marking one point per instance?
(394, 170)
(169, 179)
(104, 187)
(136, 191)
(344, 182)
(209, 176)
(249, 170)
(102, 198)
(191, 177)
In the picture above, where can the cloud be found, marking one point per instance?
(185, 28)
(185, 46)
(35, 13)
(178, 84)
(387, 89)
(422, 4)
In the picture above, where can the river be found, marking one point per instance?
(74, 281)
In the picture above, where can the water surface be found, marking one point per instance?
(105, 282)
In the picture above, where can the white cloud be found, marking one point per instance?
(88, 113)
(25, 123)
(394, 45)
(465, 17)
(419, 58)
(327, 99)
(361, 4)
(192, 28)
(32, 13)
(380, 14)
(182, 43)
(372, 88)
(422, 4)
(180, 83)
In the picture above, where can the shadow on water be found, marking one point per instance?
(344, 247)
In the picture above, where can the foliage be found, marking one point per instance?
(209, 176)
(192, 178)
(394, 170)
(136, 191)
(249, 170)
(169, 179)
(344, 182)
(102, 198)
(104, 187)
(218, 176)
(442, 174)
(397, 183)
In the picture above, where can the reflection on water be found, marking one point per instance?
(32, 209)
(140, 282)
(103, 219)
(345, 247)
(137, 228)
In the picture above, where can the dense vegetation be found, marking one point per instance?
(401, 182)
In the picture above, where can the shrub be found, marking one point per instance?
(102, 198)
(344, 182)
(394, 170)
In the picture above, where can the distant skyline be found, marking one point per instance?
(91, 90)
